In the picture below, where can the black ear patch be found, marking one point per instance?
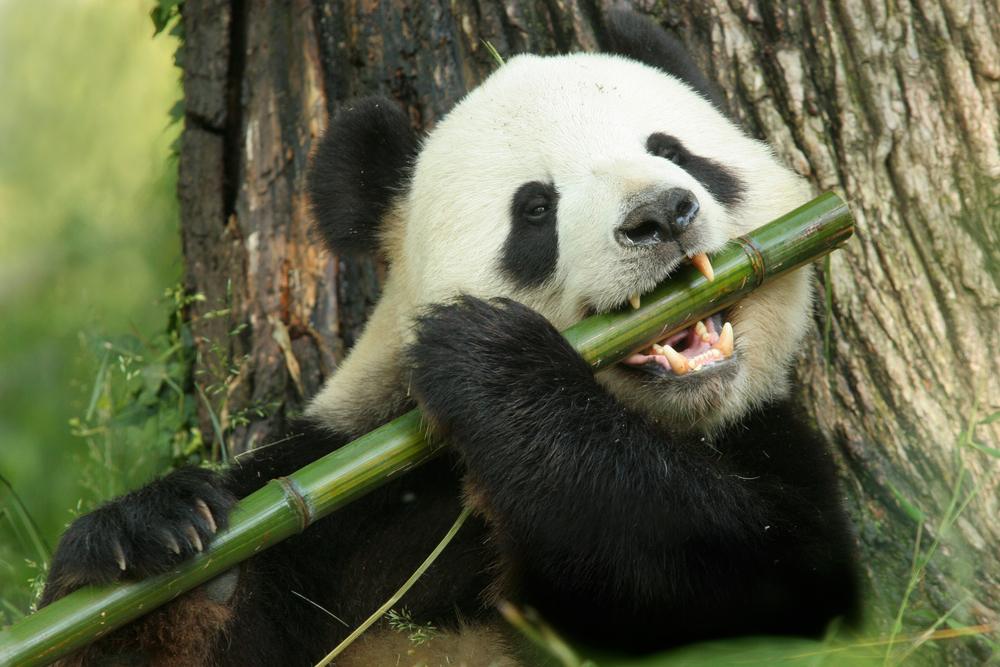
(722, 184)
(361, 164)
(639, 38)
(532, 247)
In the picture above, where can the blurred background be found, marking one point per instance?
(88, 246)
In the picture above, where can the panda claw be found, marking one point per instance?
(193, 537)
(206, 514)
(120, 556)
(172, 543)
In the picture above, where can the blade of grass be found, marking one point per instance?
(25, 529)
(381, 611)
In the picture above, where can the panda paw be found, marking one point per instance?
(475, 361)
(141, 534)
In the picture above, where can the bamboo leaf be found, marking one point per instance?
(286, 506)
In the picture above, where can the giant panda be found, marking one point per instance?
(675, 498)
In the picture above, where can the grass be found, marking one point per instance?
(87, 197)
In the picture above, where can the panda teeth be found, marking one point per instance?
(702, 331)
(702, 263)
(634, 300)
(678, 362)
(725, 343)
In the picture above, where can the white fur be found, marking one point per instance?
(581, 122)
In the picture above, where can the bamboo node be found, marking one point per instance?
(295, 501)
(756, 256)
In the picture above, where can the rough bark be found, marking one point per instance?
(893, 104)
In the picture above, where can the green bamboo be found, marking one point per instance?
(288, 505)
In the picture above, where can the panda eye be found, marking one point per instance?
(666, 147)
(535, 203)
(671, 155)
(538, 211)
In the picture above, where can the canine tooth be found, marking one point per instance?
(702, 264)
(725, 343)
(677, 361)
(634, 300)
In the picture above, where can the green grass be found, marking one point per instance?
(88, 241)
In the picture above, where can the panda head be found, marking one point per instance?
(572, 184)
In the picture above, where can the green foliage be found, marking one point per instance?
(88, 235)
(401, 622)
(31, 544)
(141, 419)
(897, 651)
(493, 52)
(165, 12)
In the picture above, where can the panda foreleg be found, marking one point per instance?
(614, 525)
(153, 529)
(141, 534)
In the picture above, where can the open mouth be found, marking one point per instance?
(706, 342)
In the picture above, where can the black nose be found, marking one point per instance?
(663, 219)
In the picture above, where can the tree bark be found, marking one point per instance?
(895, 105)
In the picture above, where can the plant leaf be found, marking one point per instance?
(911, 510)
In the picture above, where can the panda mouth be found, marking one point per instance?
(706, 342)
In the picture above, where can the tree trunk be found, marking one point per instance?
(894, 105)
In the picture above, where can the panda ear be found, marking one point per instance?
(639, 38)
(360, 166)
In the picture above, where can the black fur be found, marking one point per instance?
(634, 536)
(532, 247)
(360, 166)
(638, 37)
(724, 186)
(618, 530)
(147, 529)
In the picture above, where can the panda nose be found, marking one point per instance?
(660, 220)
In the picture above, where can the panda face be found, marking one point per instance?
(577, 183)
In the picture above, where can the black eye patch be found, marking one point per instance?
(721, 183)
(531, 250)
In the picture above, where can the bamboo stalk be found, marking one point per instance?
(288, 505)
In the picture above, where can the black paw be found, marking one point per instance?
(143, 533)
(475, 360)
